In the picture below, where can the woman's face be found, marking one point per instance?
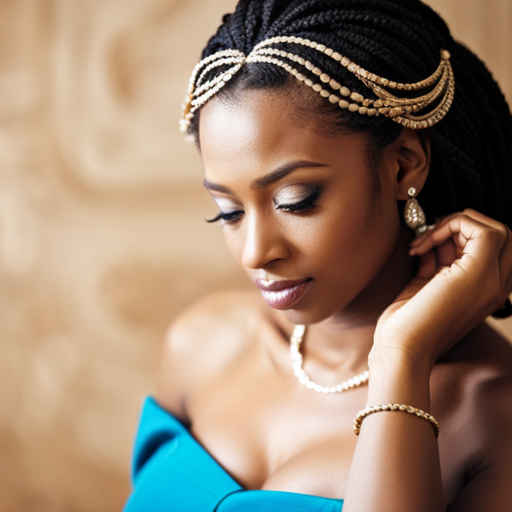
(300, 210)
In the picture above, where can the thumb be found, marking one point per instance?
(428, 266)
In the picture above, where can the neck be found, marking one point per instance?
(346, 338)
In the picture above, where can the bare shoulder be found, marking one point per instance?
(480, 365)
(206, 337)
(472, 398)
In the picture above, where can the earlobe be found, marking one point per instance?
(413, 159)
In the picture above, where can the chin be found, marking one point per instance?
(305, 316)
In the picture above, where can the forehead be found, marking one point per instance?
(261, 130)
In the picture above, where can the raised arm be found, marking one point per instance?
(465, 275)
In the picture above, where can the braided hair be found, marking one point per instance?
(471, 165)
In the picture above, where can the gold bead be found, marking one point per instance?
(343, 103)
(334, 85)
(334, 99)
(356, 97)
(345, 91)
(397, 111)
(353, 107)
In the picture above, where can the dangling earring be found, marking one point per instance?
(414, 214)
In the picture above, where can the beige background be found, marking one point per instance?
(102, 238)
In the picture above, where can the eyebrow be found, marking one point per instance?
(276, 175)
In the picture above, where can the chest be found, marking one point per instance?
(280, 448)
(269, 432)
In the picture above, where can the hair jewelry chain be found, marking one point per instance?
(438, 89)
(297, 360)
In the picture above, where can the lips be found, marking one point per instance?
(283, 294)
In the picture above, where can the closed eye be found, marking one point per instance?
(228, 217)
(304, 205)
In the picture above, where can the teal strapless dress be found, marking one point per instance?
(172, 472)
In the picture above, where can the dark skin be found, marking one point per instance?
(226, 368)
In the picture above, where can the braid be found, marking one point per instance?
(399, 39)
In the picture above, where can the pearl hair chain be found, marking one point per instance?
(437, 90)
(297, 360)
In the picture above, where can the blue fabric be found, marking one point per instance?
(172, 472)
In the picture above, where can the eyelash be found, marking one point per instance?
(302, 206)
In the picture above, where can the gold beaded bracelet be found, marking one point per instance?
(361, 415)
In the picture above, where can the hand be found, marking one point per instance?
(465, 274)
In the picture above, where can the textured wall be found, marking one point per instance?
(102, 239)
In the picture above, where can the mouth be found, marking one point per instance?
(283, 294)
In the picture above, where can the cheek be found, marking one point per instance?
(350, 244)
(234, 241)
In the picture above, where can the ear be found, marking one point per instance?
(413, 161)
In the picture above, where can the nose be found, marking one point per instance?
(264, 243)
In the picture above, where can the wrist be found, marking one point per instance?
(395, 360)
(398, 379)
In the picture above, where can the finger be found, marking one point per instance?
(439, 222)
(505, 262)
(480, 217)
(427, 267)
(447, 253)
(469, 212)
(505, 258)
(464, 231)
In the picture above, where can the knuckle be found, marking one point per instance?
(501, 233)
(496, 234)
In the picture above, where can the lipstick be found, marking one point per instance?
(283, 294)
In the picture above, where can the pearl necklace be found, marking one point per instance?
(295, 341)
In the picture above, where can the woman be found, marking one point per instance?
(316, 120)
